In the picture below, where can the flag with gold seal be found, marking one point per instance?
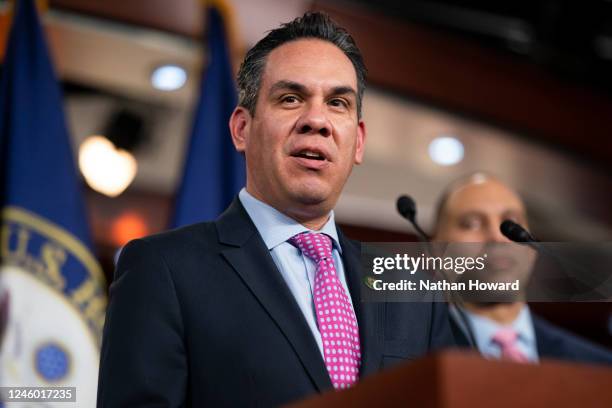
(52, 288)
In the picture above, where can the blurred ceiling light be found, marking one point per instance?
(106, 169)
(168, 77)
(446, 150)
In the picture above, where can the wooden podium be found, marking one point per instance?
(458, 379)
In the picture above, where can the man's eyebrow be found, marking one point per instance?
(470, 213)
(300, 88)
(288, 85)
(514, 212)
(343, 90)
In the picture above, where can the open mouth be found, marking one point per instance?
(311, 155)
(311, 159)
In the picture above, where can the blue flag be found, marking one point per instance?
(55, 286)
(214, 172)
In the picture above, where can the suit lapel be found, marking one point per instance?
(459, 335)
(370, 315)
(249, 257)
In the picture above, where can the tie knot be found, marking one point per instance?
(505, 337)
(315, 246)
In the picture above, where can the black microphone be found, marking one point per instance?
(515, 232)
(407, 209)
(575, 271)
(406, 206)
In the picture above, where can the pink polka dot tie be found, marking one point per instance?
(506, 339)
(335, 316)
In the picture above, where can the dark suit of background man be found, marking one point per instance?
(471, 210)
(222, 313)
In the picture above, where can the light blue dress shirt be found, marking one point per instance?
(484, 329)
(297, 270)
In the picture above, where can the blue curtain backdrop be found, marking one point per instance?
(214, 172)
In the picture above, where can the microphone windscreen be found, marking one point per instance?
(514, 232)
(406, 206)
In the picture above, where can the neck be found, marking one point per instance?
(312, 219)
(502, 313)
(312, 224)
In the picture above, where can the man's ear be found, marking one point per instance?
(360, 146)
(240, 126)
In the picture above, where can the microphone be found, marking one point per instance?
(407, 209)
(515, 232)
(575, 272)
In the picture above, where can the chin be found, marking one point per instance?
(310, 197)
(311, 194)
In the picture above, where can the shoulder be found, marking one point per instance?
(553, 341)
(177, 241)
(200, 232)
(174, 247)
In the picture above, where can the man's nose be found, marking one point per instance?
(314, 120)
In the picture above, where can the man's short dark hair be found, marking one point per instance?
(311, 25)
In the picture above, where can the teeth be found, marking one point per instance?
(311, 154)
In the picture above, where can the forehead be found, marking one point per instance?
(489, 197)
(311, 62)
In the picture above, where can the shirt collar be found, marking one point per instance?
(484, 328)
(275, 227)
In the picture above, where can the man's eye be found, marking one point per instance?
(338, 103)
(470, 223)
(515, 219)
(290, 99)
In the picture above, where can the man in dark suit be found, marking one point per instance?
(471, 210)
(262, 306)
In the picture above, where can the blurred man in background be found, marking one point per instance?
(471, 210)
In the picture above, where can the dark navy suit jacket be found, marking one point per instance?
(200, 316)
(554, 342)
